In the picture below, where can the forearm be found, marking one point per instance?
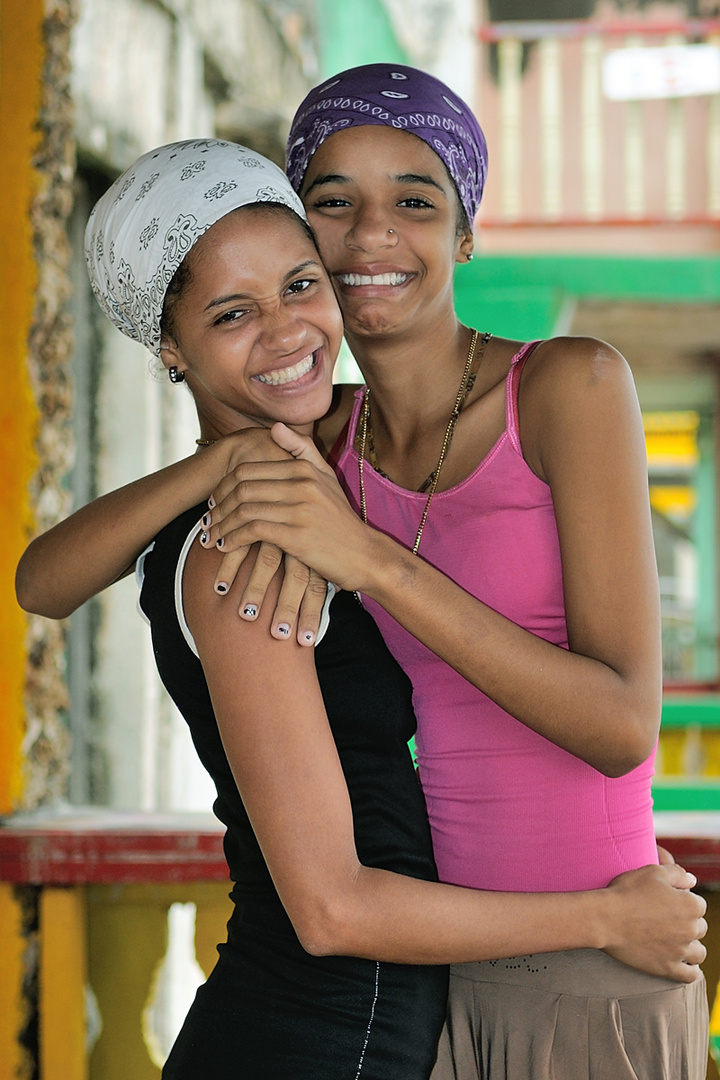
(98, 544)
(602, 715)
(389, 917)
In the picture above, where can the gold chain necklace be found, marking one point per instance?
(429, 485)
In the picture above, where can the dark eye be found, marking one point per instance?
(300, 285)
(330, 202)
(415, 202)
(230, 316)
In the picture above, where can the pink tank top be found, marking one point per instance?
(508, 809)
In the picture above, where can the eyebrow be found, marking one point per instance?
(220, 300)
(327, 178)
(401, 178)
(419, 178)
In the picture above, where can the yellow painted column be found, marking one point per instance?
(63, 976)
(214, 908)
(128, 937)
(14, 1064)
(22, 56)
(21, 65)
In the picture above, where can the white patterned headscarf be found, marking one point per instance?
(145, 224)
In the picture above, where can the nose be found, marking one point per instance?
(283, 329)
(370, 230)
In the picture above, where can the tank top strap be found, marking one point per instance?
(346, 439)
(512, 387)
(339, 446)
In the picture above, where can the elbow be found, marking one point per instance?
(316, 940)
(35, 590)
(33, 598)
(324, 927)
(621, 766)
(638, 743)
(25, 590)
(321, 935)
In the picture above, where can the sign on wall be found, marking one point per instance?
(637, 74)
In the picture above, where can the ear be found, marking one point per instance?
(465, 248)
(170, 354)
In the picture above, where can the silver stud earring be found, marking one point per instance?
(176, 376)
(470, 257)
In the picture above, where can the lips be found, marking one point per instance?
(289, 374)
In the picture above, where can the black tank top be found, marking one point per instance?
(368, 702)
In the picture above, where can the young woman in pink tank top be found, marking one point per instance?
(508, 559)
(491, 511)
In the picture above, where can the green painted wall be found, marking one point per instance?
(356, 32)
(630, 277)
(522, 296)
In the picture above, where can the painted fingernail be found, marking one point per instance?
(211, 503)
(308, 637)
(206, 521)
(250, 611)
(221, 542)
(204, 537)
(221, 587)
(284, 629)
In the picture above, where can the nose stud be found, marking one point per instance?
(391, 232)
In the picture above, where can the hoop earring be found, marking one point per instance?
(176, 376)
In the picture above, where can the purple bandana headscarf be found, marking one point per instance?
(400, 97)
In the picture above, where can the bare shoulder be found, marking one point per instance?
(212, 618)
(227, 644)
(206, 611)
(572, 363)
(574, 390)
(573, 372)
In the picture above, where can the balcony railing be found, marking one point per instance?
(563, 153)
(109, 922)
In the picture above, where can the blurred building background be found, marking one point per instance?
(601, 217)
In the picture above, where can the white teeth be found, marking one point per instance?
(288, 374)
(374, 279)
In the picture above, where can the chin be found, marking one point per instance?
(369, 324)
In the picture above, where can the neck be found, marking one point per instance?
(413, 378)
(211, 430)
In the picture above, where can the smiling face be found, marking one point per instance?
(256, 328)
(386, 216)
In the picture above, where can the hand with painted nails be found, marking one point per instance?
(303, 592)
(300, 603)
(299, 505)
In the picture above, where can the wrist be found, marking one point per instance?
(382, 566)
(601, 918)
(217, 460)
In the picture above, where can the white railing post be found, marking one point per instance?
(510, 72)
(675, 157)
(634, 152)
(592, 159)
(551, 125)
(713, 148)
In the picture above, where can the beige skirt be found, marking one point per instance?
(576, 1015)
